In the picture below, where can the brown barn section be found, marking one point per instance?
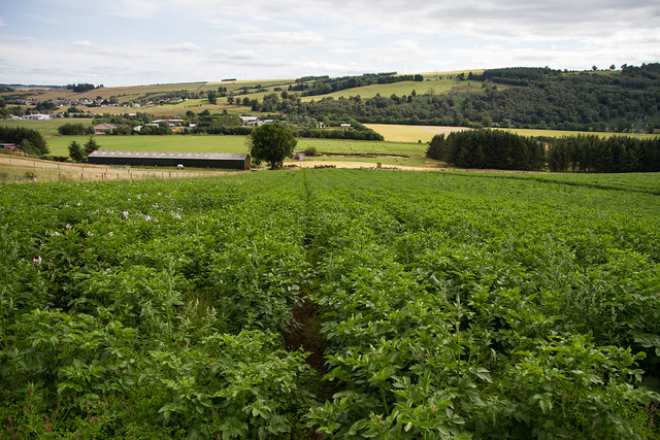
(164, 159)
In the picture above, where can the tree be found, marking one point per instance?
(437, 148)
(70, 129)
(271, 143)
(20, 135)
(90, 146)
(75, 152)
(212, 97)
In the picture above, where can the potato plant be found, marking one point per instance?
(450, 305)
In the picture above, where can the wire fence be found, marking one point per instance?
(14, 170)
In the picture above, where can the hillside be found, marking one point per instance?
(626, 100)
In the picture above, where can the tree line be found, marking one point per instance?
(323, 85)
(617, 154)
(497, 149)
(491, 149)
(30, 141)
(82, 87)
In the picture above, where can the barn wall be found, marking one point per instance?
(172, 162)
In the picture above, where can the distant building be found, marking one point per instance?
(170, 122)
(36, 117)
(102, 128)
(165, 159)
(249, 120)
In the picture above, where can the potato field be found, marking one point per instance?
(332, 304)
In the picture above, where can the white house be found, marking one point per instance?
(249, 120)
(36, 117)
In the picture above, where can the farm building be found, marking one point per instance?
(102, 128)
(165, 159)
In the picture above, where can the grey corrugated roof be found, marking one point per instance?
(167, 155)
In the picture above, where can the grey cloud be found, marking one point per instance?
(276, 38)
(245, 58)
(183, 47)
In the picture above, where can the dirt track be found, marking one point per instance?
(355, 165)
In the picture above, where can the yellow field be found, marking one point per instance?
(561, 133)
(411, 133)
(415, 133)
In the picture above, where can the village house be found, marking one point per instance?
(104, 128)
(36, 117)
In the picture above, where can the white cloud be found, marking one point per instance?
(2, 22)
(82, 43)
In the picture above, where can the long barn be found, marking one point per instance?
(165, 159)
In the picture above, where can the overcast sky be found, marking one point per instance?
(135, 42)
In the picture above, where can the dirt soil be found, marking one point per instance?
(305, 332)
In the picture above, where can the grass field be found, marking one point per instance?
(430, 86)
(389, 153)
(48, 128)
(131, 92)
(197, 144)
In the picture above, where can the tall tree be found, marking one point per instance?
(271, 143)
(75, 152)
(90, 146)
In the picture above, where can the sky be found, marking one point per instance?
(140, 42)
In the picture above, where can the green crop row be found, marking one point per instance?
(486, 306)
(449, 305)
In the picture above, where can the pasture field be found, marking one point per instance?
(352, 303)
(183, 143)
(349, 149)
(48, 128)
(562, 133)
(430, 86)
(134, 92)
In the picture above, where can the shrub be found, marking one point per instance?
(311, 151)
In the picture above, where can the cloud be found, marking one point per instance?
(184, 47)
(244, 58)
(137, 9)
(276, 39)
(264, 39)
